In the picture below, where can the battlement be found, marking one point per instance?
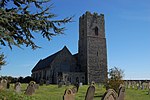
(89, 14)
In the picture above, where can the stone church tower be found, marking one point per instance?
(92, 55)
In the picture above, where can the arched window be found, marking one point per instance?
(96, 30)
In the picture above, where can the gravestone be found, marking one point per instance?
(68, 95)
(77, 85)
(4, 83)
(74, 90)
(110, 94)
(149, 88)
(133, 84)
(92, 83)
(80, 84)
(90, 93)
(67, 83)
(41, 82)
(47, 82)
(1, 86)
(17, 87)
(60, 84)
(30, 89)
(138, 86)
(8, 85)
(148, 91)
(121, 95)
(126, 84)
(36, 86)
(129, 85)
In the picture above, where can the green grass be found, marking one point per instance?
(52, 92)
(134, 94)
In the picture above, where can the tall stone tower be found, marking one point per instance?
(92, 47)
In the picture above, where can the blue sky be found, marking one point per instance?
(127, 32)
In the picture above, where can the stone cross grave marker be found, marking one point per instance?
(90, 93)
(110, 95)
(68, 95)
(30, 89)
(17, 87)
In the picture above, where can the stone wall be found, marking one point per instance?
(92, 47)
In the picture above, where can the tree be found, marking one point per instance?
(18, 22)
(115, 79)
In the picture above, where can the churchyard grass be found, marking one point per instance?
(52, 92)
(134, 94)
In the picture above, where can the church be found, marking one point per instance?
(89, 64)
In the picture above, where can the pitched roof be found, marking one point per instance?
(47, 61)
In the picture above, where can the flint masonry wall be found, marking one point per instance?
(92, 47)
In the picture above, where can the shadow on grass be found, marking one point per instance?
(98, 96)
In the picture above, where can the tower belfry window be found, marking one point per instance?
(96, 30)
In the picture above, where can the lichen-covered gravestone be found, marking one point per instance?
(30, 89)
(90, 93)
(110, 95)
(17, 87)
(68, 95)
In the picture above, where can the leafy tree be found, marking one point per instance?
(115, 79)
(18, 23)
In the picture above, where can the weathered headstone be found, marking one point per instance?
(80, 84)
(1, 87)
(30, 89)
(92, 83)
(126, 84)
(90, 93)
(60, 84)
(8, 85)
(110, 95)
(36, 86)
(129, 85)
(77, 85)
(4, 83)
(67, 83)
(17, 87)
(74, 90)
(121, 95)
(149, 88)
(47, 82)
(41, 82)
(68, 95)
